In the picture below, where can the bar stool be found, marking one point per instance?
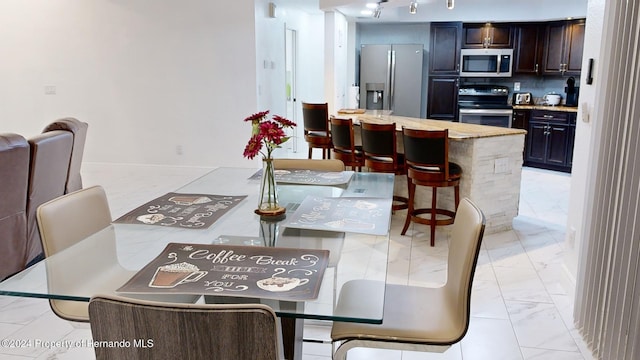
(381, 154)
(344, 147)
(427, 158)
(316, 128)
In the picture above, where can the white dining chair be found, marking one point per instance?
(332, 165)
(418, 318)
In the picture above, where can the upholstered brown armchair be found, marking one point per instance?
(79, 130)
(14, 175)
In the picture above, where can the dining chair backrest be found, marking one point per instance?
(70, 218)
(63, 222)
(418, 318)
(183, 331)
(427, 149)
(332, 165)
(464, 248)
(315, 117)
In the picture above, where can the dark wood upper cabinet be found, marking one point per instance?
(528, 48)
(564, 44)
(446, 41)
(487, 35)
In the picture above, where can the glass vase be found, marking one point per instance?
(268, 197)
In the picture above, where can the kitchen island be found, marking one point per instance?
(490, 158)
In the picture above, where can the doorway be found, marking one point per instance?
(290, 85)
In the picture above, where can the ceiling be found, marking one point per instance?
(394, 11)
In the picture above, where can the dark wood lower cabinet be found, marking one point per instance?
(550, 140)
(443, 98)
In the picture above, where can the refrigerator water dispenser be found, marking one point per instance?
(375, 96)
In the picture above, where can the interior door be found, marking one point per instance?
(290, 88)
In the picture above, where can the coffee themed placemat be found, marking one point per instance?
(193, 211)
(347, 214)
(228, 270)
(309, 177)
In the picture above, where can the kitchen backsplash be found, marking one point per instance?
(538, 86)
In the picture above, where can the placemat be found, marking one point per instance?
(193, 211)
(311, 177)
(227, 270)
(349, 214)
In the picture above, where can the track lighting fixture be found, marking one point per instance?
(450, 4)
(413, 7)
(377, 11)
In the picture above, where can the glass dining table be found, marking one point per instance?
(104, 261)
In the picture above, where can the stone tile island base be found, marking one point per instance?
(491, 162)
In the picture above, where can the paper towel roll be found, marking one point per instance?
(353, 99)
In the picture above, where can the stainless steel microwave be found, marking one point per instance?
(486, 62)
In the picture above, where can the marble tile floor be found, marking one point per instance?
(521, 300)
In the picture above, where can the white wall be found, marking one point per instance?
(336, 57)
(148, 76)
(585, 139)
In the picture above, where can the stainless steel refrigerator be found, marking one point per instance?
(391, 78)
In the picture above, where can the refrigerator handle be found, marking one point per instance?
(392, 78)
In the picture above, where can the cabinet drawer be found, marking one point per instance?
(551, 116)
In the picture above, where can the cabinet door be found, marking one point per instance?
(445, 48)
(574, 48)
(473, 36)
(553, 56)
(520, 119)
(527, 49)
(477, 36)
(500, 35)
(537, 142)
(443, 98)
(557, 144)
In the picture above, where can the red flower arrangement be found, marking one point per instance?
(267, 132)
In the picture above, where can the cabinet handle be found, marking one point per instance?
(458, 67)
(548, 117)
(536, 69)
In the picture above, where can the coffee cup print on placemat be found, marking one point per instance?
(277, 284)
(170, 276)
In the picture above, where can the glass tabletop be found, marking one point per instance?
(105, 261)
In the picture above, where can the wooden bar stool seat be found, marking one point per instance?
(316, 128)
(427, 159)
(381, 154)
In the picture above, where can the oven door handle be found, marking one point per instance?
(486, 111)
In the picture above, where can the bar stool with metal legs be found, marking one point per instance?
(381, 154)
(427, 160)
(316, 128)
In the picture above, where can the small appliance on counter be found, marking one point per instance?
(572, 92)
(522, 99)
(552, 99)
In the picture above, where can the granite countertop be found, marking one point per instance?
(457, 131)
(546, 107)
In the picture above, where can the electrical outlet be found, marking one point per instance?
(179, 150)
(516, 86)
(49, 90)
